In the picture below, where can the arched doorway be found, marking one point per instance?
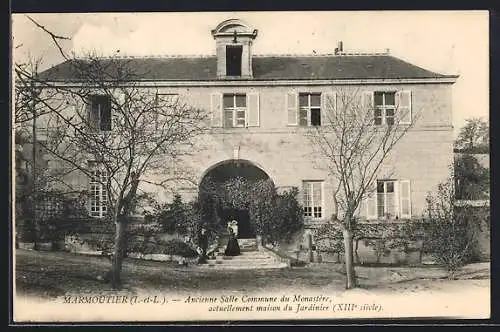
(222, 191)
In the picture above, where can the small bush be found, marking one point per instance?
(174, 217)
(179, 248)
(448, 238)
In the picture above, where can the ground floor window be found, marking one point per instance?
(391, 200)
(313, 198)
(97, 190)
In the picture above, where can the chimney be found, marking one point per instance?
(340, 48)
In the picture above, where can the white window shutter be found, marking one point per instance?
(404, 199)
(371, 204)
(292, 108)
(328, 107)
(216, 109)
(253, 113)
(367, 101)
(403, 104)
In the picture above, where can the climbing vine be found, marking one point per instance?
(272, 215)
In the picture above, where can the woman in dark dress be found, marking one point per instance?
(233, 248)
(203, 245)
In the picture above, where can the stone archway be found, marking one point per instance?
(226, 180)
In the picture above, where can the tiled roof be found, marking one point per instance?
(264, 68)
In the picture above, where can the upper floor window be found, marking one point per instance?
(313, 198)
(235, 108)
(310, 109)
(233, 60)
(385, 107)
(99, 112)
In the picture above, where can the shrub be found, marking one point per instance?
(179, 248)
(171, 217)
(449, 237)
(329, 239)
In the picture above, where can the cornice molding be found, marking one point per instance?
(256, 83)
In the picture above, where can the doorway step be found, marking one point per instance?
(251, 258)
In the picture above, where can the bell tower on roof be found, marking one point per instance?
(234, 40)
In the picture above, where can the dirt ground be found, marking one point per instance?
(52, 275)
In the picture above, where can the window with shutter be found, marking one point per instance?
(235, 110)
(313, 198)
(390, 200)
(310, 109)
(384, 108)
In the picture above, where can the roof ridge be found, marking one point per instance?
(154, 56)
(263, 55)
(323, 54)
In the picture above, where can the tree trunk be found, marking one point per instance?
(117, 258)
(126, 207)
(349, 259)
(356, 251)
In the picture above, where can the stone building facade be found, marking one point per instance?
(261, 106)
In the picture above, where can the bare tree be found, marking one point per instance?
(353, 141)
(102, 124)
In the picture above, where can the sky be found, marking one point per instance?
(447, 42)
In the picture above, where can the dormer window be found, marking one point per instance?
(233, 60)
(233, 45)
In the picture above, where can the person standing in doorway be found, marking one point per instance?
(233, 248)
(203, 245)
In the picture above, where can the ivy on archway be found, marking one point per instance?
(271, 215)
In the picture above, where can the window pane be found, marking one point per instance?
(233, 60)
(390, 186)
(317, 193)
(389, 121)
(378, 98)
(380, 186)
(316, 100)
(378, 121)
(105, 113)
(315, 117)
(241, 101)
(228, 101)
(389, 112)
(240, 114)
(303, 117)
(391, 204)
(228, 119)
(380, 204)
(390, 98)
(378, 112)
(303, 100)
